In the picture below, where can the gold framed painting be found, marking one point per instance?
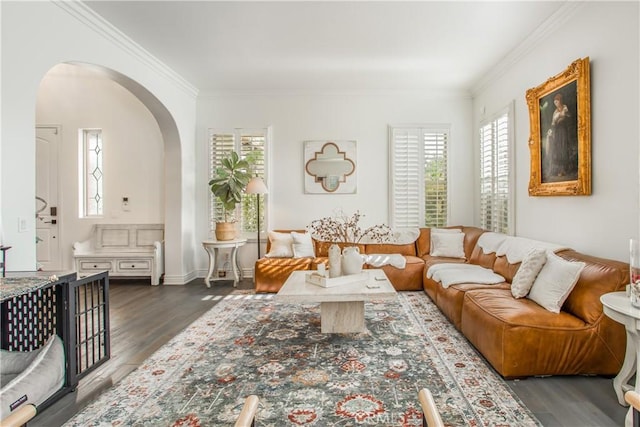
(560, 139)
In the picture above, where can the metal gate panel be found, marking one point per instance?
(89, 324)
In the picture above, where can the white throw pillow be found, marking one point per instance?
(555, 282)
(281, 245)
(449, 245)
(445, 230)
(527, 273)
(302, 245)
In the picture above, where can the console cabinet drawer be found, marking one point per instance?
(97, 265)
(134, 265)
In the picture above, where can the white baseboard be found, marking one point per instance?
(247, 273)
(179, 280)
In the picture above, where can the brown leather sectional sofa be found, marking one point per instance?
(518, 337)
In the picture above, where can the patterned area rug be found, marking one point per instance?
(249, 344)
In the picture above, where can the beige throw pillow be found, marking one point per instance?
(450, 245)
(527, 273)
(555, 282)
(281, 245)
(302, 245)
(445, 230)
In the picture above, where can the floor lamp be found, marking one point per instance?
(257, 186)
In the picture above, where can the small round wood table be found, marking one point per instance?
(212, 246)
(617, 306)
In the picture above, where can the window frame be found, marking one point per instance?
(83, 173)
(265, 210)
(508, 112)
(421, 129)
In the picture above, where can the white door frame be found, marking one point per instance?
(57, 262)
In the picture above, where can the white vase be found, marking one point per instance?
(352, 261)
(335, 269)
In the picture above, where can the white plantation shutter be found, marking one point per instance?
(418, 157)
(406, 185)
(495, 175)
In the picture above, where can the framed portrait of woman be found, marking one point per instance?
(560, 138)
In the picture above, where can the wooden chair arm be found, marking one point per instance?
(431, 414)
(633, 398)
(248, 413)
(19, 417)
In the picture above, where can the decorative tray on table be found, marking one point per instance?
(329, 282)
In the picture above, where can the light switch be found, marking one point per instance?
(125, 204)
(22, 225)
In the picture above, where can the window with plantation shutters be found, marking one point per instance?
(418, 164)
(496, 175)
(250, 144)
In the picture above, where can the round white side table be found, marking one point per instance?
(617, 306)
(212, 247)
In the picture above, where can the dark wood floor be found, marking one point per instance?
(145, 317)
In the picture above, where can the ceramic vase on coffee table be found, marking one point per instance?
(352, 261)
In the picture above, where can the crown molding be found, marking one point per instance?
(97, 23)
(540, 34)
(414, 93)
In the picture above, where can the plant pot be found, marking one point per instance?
(225, 231)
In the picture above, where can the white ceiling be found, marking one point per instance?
(334, 45)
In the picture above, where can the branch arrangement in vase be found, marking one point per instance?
(344, 228)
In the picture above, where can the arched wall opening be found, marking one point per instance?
(157, 161)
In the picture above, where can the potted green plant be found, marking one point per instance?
(227, 185)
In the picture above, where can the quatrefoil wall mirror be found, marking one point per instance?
(330, 167)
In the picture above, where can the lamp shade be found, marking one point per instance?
(256, 186)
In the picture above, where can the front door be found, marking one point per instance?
(47, 220)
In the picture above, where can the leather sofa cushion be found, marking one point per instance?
(598, 277)
(450, 299)
(271, 273)
(387, 248)
(407, 279)
(483, 260)
(520, 338)
(521, 312)
(506, 270)
(429, 261)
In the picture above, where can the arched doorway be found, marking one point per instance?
(165, 172)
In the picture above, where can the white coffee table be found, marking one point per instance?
(341, 307)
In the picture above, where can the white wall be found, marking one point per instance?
(38, 35)
(602, 223)
(297, 117)
(35, 37)
(75, 97)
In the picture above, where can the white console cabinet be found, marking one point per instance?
(124, 250)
